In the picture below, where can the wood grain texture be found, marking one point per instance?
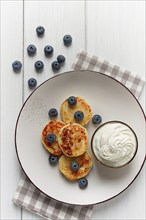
(11, 102)
(58, 18)
(114, 30)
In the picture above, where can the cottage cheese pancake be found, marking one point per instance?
(53, 126)
(85, 164)
(67, 111)
(73, 139)
(114, 144)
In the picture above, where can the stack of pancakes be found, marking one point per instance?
(71, 139)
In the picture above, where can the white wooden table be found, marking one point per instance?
(114, 30)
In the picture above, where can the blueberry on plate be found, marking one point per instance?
(31, 49)
(72, 100)
(51, 137)
(96, 119)
(48, 50)
(40, 31)
(61, 59)
(53, 112)
(67, 39)
(55, 66)
(32, 83)
(74, 166)
(16, 65)
(79, 115)
(39, 65)
(83, 182)
(53, 159)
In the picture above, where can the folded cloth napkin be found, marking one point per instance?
(27, 195)
(133, 82)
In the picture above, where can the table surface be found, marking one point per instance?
(114, 30)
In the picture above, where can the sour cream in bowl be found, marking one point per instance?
(114, 144)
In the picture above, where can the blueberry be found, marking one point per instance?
(53, 159)
(53, 112)
(83, 182)
(32, 83)
(16, 65)
(55, 66)
(31, 49)
(74, 166)
(96, 119)
(79, 115)
(40, 31)
(72, 100)
(61, 59)
(67, 39)
(48, 50)
(51, 137)
(39, 65)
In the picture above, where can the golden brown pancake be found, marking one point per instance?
(73, 139)
(85, 164)
(67, 111)
(53, 126)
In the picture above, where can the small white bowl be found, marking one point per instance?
(114, 144)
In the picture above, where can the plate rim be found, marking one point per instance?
(16, 126)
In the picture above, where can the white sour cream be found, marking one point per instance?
(114, 144)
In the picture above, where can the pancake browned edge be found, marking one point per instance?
(53, 126)
(67, 111)
(73, 139)
(85, 164)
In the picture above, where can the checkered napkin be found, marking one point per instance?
(133, 82)
(27, 195)
(30, 198)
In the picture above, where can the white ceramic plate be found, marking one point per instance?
(108, 98)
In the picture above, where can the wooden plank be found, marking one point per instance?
(116, 32)
(11, 101)
(58, 18)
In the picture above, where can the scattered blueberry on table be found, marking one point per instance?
(83, 182)
(39, 66)
(74, 166)
(31, 50)
(40, 30)
(32, 83)
(96, 119)
(48, 50)
(72, 100)
(79, 115)
(53, 159)
(51, 137)
(16, 65)
(67, 39)
(55, 66)
(61, 59)
(53, 112)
